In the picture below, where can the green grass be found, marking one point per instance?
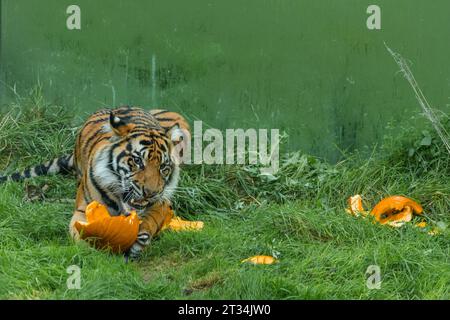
(297, 215)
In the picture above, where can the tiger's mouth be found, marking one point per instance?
(140, 204)
(134, 202)
(135, 199)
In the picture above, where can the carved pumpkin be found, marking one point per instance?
(118, 232)
(395, 210)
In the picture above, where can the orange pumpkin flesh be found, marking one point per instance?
(395, 210)
(355, 206)
(118, 232)
(177, 224)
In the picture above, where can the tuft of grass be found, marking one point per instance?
(297, 215)
(33, 131)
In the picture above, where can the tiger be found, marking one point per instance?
(126, 158)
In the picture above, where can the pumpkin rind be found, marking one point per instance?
(118, 232)
(96, 211)
(396, 209)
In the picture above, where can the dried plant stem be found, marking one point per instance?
(428, 111)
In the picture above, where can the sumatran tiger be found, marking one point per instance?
(127, 159)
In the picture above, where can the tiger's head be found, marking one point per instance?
(140, 164)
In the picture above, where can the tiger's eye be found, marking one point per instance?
(137, 161)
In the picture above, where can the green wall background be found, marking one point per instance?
(311, 68)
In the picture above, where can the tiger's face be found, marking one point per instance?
(138, 166)
(148, 172)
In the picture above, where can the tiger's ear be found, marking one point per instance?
(178, 134)
(175, 134)
(120, 127)
(181, 139)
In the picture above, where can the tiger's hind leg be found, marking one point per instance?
(79, 214)
(152, 223)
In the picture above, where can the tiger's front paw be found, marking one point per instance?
(134, 253)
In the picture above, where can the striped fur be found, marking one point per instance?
(124, 159)
(63, 165)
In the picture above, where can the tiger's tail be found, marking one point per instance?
(63, 165)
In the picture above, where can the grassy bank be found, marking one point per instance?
(297, 215)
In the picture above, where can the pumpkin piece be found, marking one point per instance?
(260, 260)
(434, 232)
(421, 224)
(118, 232)
(96, 211)
(395, 210)
(355, 206)
(178, 224)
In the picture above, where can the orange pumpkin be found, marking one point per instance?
(395, 210)
(118, 232)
